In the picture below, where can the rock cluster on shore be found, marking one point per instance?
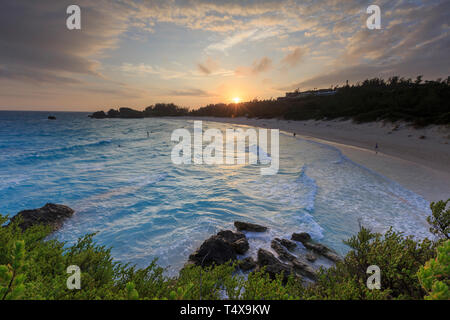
(226, 245)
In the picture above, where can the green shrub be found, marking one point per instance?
(440, 219)
(435, 275)
(398, 257)
(11, 276)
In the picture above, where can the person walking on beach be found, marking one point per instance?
(376, 148)
(148, 134)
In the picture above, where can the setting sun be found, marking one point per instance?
(236, 99)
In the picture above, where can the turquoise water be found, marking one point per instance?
(144, 207)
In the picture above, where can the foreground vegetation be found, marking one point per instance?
(34, 268)
(415, 101)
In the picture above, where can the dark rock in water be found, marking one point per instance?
(230, 236)
(51, 118)
(266, 257)
(50, 215)
(249, 226)
(241, 246)
(281, 251)
(247, 264)
(98, 115)
(322, 250)
(301, 237)
(273, 265)
(304, 268)
(290, 245)
(220, 248)
(331, 255)
(214, 250)
(311, 257)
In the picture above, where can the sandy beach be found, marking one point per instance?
(418, 159)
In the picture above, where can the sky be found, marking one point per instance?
(195, 52)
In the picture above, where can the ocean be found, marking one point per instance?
(124, 187)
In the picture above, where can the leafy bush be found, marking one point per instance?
(398, 257)
(11, 278)
(440, 219)
(435, 275)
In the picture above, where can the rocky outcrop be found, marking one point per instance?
(220, 248)
(129, 113)
(304, 268)
(281, 251)
(52, 215)
(305, 239)
(300, 237)
(301, 266)
(124, 113)
(311, 257)
(98, 115)
(230, 236)
(112, 113)
(241, 246)
(226, 245)
(290, 245)
(272, 265)
(246, 226)
(247, 264)
(214, 250)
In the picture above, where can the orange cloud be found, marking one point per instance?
(294, 57)
(208, 66)
(258, 66)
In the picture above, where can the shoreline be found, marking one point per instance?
(417, 159)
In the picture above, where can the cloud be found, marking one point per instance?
(191, 92)
(36, 45)
(208, 66)
(143, 69)
(36, 78)
(231, 41)
(262, 65)
(294, 57)
(251, 35)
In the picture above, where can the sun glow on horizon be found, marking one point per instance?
(236, 99)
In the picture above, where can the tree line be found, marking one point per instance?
(415, 101)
